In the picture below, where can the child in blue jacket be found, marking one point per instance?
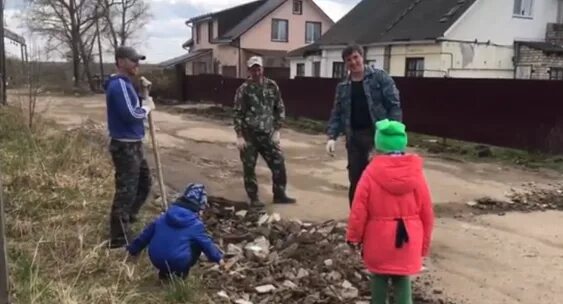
(177, 238)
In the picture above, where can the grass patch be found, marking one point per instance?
(58, 188)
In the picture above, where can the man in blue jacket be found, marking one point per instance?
(125, 116)
(366, 96)
(177, 238)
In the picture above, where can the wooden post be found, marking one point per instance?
(4, 281)
(2, 54)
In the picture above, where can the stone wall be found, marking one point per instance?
(540, 62)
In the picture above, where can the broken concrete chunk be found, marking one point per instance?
(472, 203)
(242, 301)
(223, 295)
(302, 273)
(263, 219)
(233, 250)
(242, 213)
(334, 276)
(325, 231)
(347, 284)
(289, 284)
(260, 248)
(328, 262)
(350, 293)
(265, 288)
(274, 218)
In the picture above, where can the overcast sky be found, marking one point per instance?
(164, 35)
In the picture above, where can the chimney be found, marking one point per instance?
(554, 33)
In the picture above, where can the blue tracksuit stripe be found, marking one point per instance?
(124, 114)
(134, 110)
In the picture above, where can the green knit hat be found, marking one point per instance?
(390, 136)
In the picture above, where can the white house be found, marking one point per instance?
(444, 38)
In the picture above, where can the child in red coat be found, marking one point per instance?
(392, 215)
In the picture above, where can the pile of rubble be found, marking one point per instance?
(273, 260)
(536, 199)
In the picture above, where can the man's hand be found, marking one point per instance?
(276, 137)
(222, 264)
(131, 258)
(331, 147)
(149, 105)
(146, 86)
(241, 143)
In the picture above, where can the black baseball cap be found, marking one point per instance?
(129, 53)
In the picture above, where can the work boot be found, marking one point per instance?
(256, 203)
(284, 199)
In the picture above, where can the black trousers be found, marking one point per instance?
(132, 185)
(359, 145)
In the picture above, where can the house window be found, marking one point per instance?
(297, 7)
(523, 8)
(338, 70)
(210, 31)
(197, 33)
(414, 67)
(317, 69)
(280, 30)
(300, 70)
(312, 31)
(556, 73)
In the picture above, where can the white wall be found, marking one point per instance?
(493, 20)
(478, 60)
(308, 65)
(328, 57)
(375, 56)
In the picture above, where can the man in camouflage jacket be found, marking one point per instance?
(258, 115)
(366, 96)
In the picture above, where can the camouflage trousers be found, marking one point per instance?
(132, 185)
(262, 144)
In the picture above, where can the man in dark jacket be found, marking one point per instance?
(125, 115)
(177, 238)
(366, 96)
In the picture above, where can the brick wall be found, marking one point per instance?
(540, 61)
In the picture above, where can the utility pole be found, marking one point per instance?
(4, 281)
(2, 54)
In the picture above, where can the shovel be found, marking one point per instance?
(146, 84)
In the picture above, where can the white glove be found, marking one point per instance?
(241, 143)
(276, 137)
(146, 86)
(331, 147)
(149, 105)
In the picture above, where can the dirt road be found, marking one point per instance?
(483, 259)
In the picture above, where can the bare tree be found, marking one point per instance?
(124, 20)
(66, 23)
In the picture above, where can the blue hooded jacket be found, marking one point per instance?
(173, 237)
(124, 112)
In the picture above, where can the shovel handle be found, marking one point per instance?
(158, 163)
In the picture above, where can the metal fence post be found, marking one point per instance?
(4, 278)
